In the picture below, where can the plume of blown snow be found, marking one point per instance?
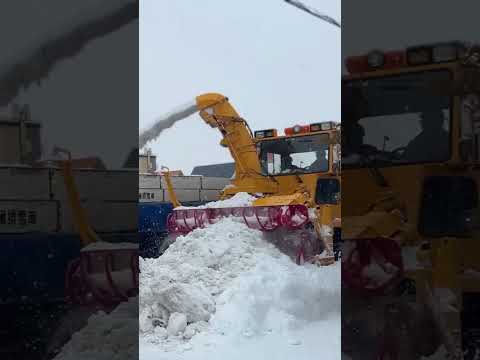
(166, 121)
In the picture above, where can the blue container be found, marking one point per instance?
(152, 227)
(33, 266)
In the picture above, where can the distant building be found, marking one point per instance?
(147, 163)
(19, 137)
(225, 170)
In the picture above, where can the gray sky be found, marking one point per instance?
(278, 65)
(86, 103)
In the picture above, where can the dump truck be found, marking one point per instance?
(295, 176)
(410, 157)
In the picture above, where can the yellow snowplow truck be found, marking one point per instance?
(295, 177)
(411, 159)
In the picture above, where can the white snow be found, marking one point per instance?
(191, 300)
(166, 121)
(177, 323)
(107, 336)
(243, 299)
(240, 199)
(379, 274)
(326, 231)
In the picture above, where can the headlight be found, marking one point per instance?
(326, 126)
(259, 134)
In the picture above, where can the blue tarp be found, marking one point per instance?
(33, 265)
(152, 227)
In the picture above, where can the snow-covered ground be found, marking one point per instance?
(224, 293)
(221, 292)
(107, 336)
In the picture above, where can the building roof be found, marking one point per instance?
(225, 170)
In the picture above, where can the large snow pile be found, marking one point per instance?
(106, 336)
(224, 293)
(240, 199)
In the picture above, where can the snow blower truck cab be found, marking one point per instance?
(411, 156)
(295, 179)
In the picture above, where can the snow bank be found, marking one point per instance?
(193, 301)
(200, 265)
(240, 199)
(107, 336)
(177, 323)
(242, 297)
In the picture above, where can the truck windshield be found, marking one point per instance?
(295, 155)
(400, 119)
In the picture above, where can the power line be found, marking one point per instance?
(313, 12)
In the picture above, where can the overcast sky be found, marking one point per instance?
(278, 65)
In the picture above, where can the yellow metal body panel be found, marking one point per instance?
(449, 257)
(171, 191)
(87, 234)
